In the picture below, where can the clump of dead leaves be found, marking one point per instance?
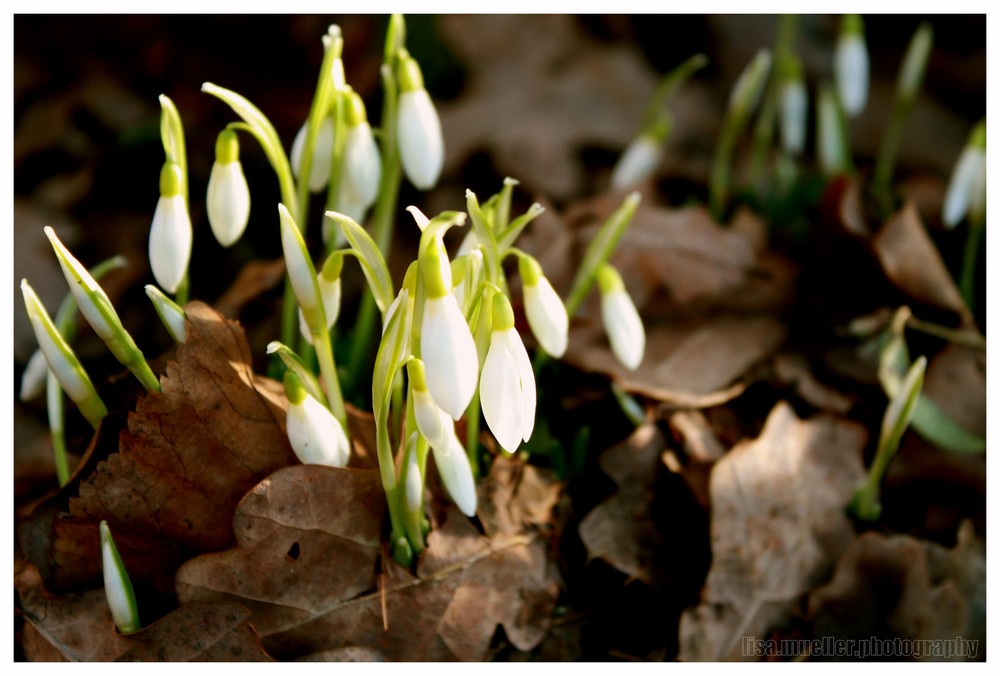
(238, 552)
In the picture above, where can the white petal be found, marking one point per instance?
(421, 144)
(228, 202)
(69, 378)
(33, 379)
(624, 328)
(794, 110)
(449, 355)
(637, 163)
(850, 69)
(330, 293)
(316, 435)
(456, 474)
(114, 585)
(419, 217)
(414, 486)
(319, 174)
(961, 186)
(362, 164)
(436, 425)
(500, 394)
(547, 317)
(527, 377)
(299, 266)
(170, 242)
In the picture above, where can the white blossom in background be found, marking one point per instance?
(850, 66)
(419, 135)
(621, 320)
(545, 310)
(322, 159)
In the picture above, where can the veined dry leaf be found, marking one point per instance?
(778, 524)
(309, 563)
(896, 586)
(912, 262)
(188, 456)
(620, 530)
(79, 628)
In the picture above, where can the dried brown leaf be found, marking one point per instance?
(253, 279)
(896, 586)
(620, 530)
(188, 456)
(309, 564)
(778, 523)
(79, 628)
(912, 263)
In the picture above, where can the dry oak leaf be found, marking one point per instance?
(79, 628)
(620, 529)
(190, 452)
(777, 526)
(896, 586)
(309, 563)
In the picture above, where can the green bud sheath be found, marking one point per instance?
(434, 283)
(355, 110)
(411, 79)
(332, 266)
(227, 148)
(852, 25)
(529, 270)
(503, 314)
(294, 389)
(418, 377)
(609, 279)
(171, 180)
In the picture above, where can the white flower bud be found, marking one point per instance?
(36, 371)
(117, 586)
(322, 159)
(456, 474)
(621, 320)
(421, 142)
(638, 163)
(449, 354)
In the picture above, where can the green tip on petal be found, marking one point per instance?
(609, 279)
(977, 138)
(294, 389)
(171, 180)
(411, 79)
(418, 376)
(355, 112)
(530, 270)
(227, 147)
(503, 313)
(434, 282)
(852, 24)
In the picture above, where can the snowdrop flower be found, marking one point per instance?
(421, 143)
(61, 360)
(641, 158)
(330, 290)
(456, 474)
(850, 65)
(621, 319)
(314, 433)
(794, 106)
(117, 586)
(322, 159)
(362, 163)
(170, 235)
(545, 310)
(228, 201)
(447, 347)
(965, 178)
(507, 386)
(33, 379)
(171, 314)
(434, 424)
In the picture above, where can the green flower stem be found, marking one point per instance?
(971, 257)
(964, 337)
(328, 372)
(763, 132)
(911, 76)
(669, 84)
(599, 251)
(384, 217)
(337, 162)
